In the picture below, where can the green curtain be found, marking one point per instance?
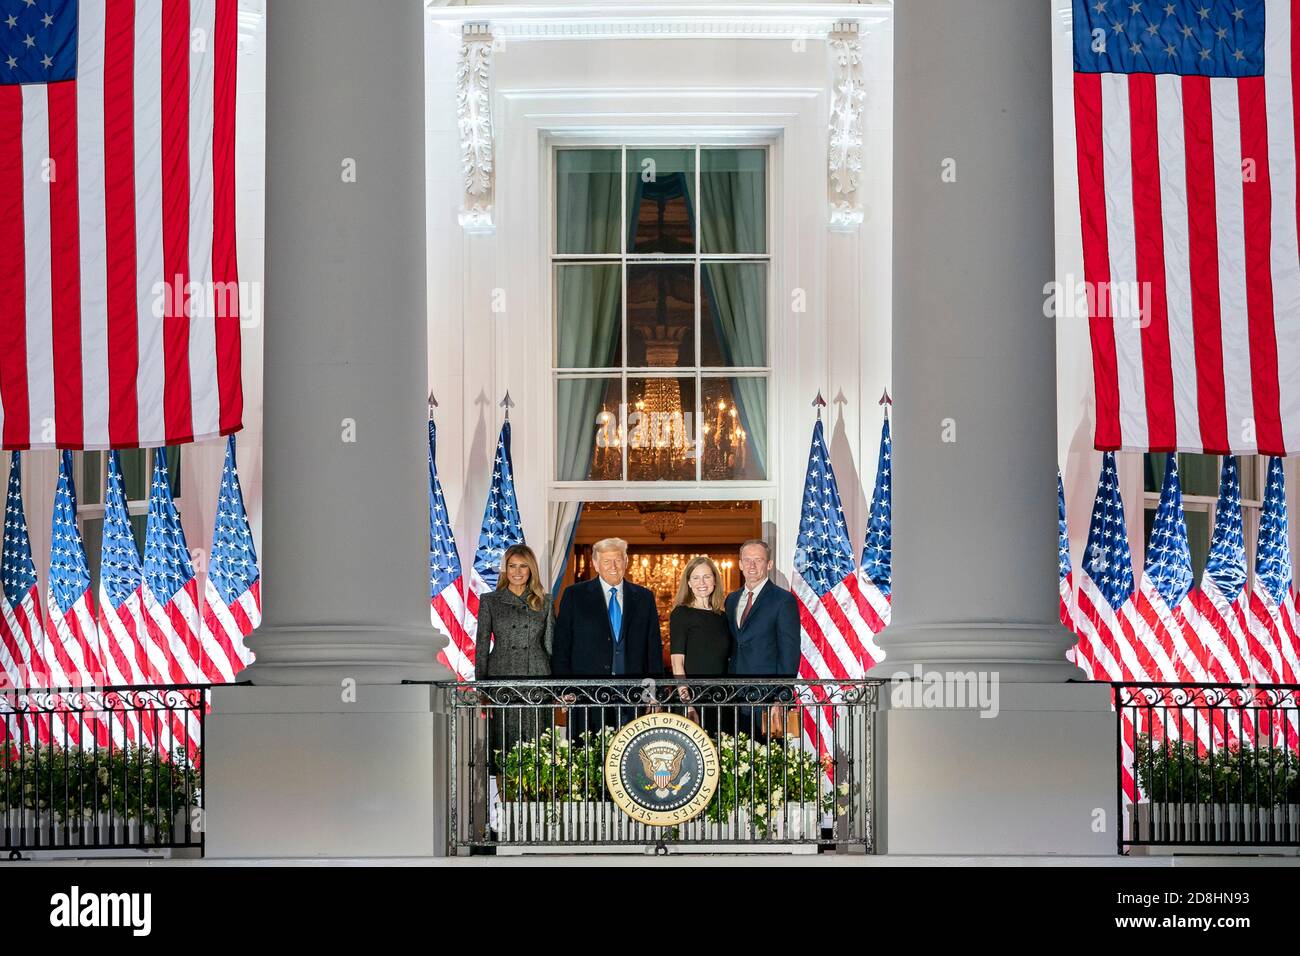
(733, 219)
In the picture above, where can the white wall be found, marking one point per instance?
(640, 87)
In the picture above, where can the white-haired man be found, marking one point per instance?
(607, 627)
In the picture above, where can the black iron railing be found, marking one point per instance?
(101, 768)
(528, 758)
(1208, 764)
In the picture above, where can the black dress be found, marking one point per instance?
(704, 637)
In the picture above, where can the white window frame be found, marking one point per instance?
(625, 488)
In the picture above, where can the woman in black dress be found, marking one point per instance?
(700, 640)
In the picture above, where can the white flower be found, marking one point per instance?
(743, 768)
(761, 810)
(777, 794)
(844, 789)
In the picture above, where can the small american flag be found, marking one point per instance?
(21, 629)
(446, 582)
(121, 618)
(1109, 626)
(170, 586)
(232, 593)
(1272, 601)
(501, 529)
(834, 636)
(119, 298)
(1186, 121)
(875, 580)
(71, 635)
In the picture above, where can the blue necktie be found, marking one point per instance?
(615, 615)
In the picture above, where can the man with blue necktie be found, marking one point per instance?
(607, 627)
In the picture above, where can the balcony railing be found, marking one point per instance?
(1208, 765)
(786, 763)
(111, 768)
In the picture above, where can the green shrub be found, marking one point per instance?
(1175, 772)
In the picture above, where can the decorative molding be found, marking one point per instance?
(628, 19)
(474, 120)
(844, 149)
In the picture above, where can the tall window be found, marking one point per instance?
(137, 469)
(661, 270)
(1199, 477)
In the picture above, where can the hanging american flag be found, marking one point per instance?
(1272, 600)
(119, 297)
(875, 580)
(501, 529)
(232, 594)
(1186, 131)
(446, 582)
(833, 634)
(170, 593)
(71, 634)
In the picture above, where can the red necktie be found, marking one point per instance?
(749, 602)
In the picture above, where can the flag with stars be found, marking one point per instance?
(121, 617)
(119, 289)
(1272, 600)
(446, 582)
(875, 580)
(1222, 601)
(170, 592)
(1185, 122)
(835, 641)
(22, 632)
(501, 528)
(232, 593)
(1065, 570)
(1108, 622)
(71, 634)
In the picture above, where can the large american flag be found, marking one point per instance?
(835, 636)
(1272, 620)
(119, 304)
(446, 582)
(232, 591)
(501, 528)
(1186, 128)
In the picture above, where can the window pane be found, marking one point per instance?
(733, 200)
(135, 474)
(660, 432)
(1198, 540)
(589, 310)
(92, 537)
(733, 314)
(89, 485)
(1248, 468)
(589, 201)
(139, 525)
(660, 316)
(733, 428)
(1199, 474)
(588, 437)
(660, 201)
(174, 469)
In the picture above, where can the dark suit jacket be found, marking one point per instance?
(584, 643)
(769, 641)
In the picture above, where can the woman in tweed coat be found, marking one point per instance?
(518, 615)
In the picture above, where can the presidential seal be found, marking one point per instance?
(662, 769)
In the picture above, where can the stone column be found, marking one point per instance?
(989, 751)
(974, 366)
(328, 753)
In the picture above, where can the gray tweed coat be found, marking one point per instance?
(523, 637)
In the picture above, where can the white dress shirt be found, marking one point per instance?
(744, 596)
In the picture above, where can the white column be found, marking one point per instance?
(973, 354)
(1026, 763)
(328, 753)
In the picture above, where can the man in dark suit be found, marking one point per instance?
(607, 627)
(764, 621)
